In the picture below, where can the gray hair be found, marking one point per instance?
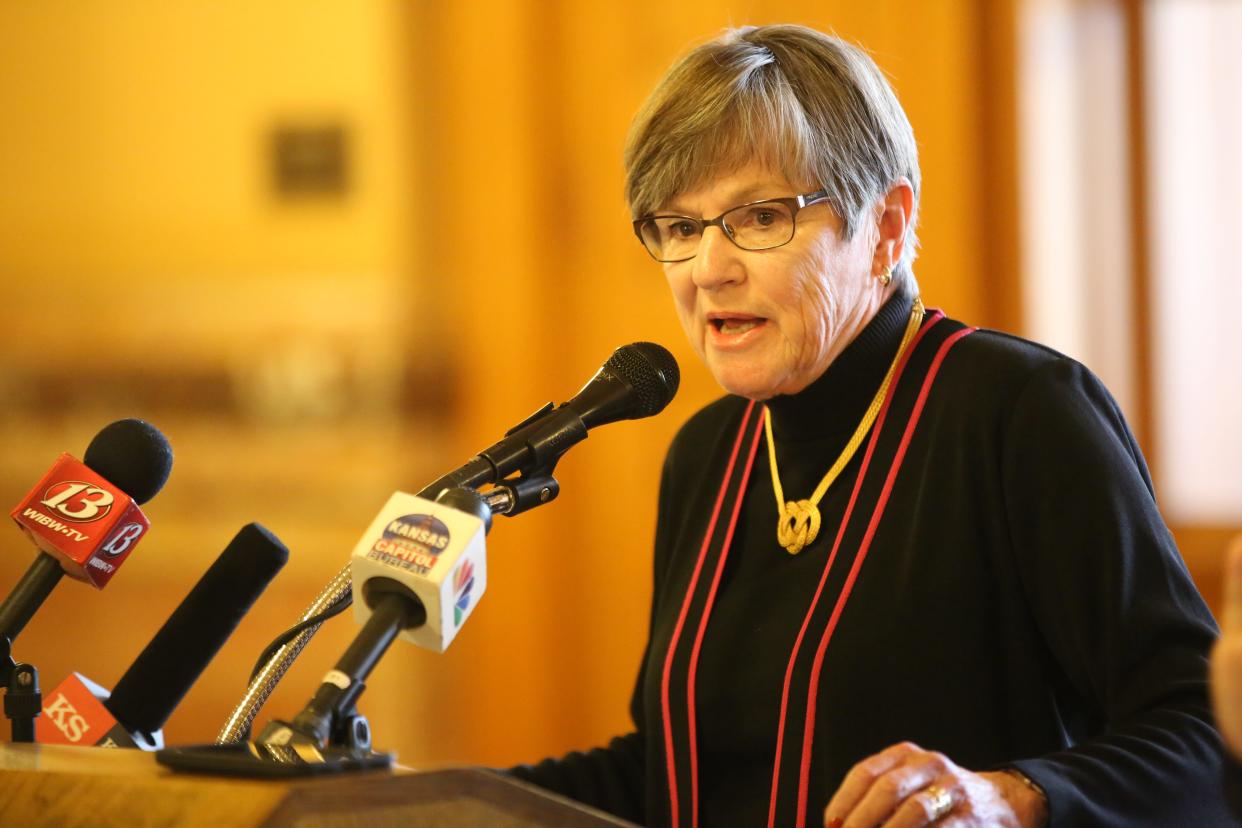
(811, 106)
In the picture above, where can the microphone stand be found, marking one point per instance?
(329, 734)
(530, 449)
(22, 702)
(329, 730)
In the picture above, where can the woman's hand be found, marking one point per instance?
(905, 786)
(1227, 656)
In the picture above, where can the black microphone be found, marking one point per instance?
(637, 381)
(164, 671)
(84, 516)
(159, 678)
(134, 455)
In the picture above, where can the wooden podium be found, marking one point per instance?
(67, 787)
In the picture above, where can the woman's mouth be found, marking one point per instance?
(734, 331)
(735, 326)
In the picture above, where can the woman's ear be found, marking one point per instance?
(893, 213)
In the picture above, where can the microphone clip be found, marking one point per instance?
(534, 484)
(541, 412)
(522, 493)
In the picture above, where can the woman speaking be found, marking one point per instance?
(907, 572)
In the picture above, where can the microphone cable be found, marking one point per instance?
(340, 605)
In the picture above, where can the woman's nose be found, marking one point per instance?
(717, 262)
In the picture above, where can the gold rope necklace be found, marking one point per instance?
(799, 521)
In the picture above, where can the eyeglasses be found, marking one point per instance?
(759, 225)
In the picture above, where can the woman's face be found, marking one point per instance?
(769, 322)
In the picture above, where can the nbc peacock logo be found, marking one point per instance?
(463, 583)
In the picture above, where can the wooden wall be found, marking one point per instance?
(307, 357)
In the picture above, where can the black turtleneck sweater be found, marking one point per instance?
(1004, 591)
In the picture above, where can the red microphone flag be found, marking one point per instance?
(74, 714)
(89, 525)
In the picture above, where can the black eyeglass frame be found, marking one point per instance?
(793, 203)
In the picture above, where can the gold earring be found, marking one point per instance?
(886, 276)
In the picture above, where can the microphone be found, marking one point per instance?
(418, 572)
(637, 381)
(420, 568)
(83, 713)
(84, 516)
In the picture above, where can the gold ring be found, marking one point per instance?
(939, 801)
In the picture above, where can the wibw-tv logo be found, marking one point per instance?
(78, 500)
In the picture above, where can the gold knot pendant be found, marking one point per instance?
(799, 519)
(799, 525)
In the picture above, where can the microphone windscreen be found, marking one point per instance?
(159, 678)
(651, 370)
(132, 455)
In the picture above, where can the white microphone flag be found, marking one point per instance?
(437, 551)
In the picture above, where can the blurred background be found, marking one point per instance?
(334, 247)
